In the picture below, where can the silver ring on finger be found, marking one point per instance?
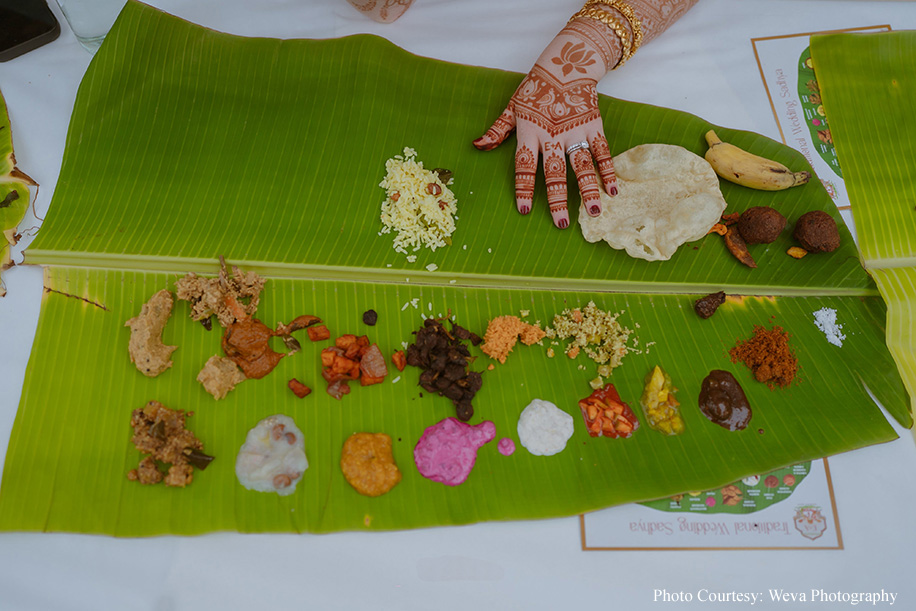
(575, 147)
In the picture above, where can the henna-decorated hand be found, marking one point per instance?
(555, 108)
(383, 11)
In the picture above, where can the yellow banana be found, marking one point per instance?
(738, 166)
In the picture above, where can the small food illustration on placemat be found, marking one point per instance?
(747, 495)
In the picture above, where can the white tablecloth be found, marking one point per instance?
(703, 65)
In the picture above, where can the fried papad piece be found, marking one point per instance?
(666, 196)
(146, 349)
(368, 464)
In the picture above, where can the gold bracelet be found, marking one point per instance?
(609, 20)
(629, 14)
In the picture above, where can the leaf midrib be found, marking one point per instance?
(443, 278)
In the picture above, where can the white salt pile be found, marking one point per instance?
(825, 320)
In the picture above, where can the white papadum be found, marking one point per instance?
(666, 196)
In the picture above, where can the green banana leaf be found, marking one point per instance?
(868, 88)
(270, 152)
(14, 191)
(186, 144)
(68, 459)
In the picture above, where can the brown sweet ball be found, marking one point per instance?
(760, 225)
(816, 231)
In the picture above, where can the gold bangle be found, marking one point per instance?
(609, 20)
(629, 14)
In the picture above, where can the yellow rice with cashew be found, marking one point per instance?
(418, 207)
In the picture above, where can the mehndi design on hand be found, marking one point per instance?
(556, 105)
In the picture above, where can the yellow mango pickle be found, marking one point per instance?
(659, 405)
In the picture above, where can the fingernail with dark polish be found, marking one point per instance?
(524, 209)
(613, 191)
(563, 224)
(594, 210)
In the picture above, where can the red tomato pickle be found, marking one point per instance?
(606, 415)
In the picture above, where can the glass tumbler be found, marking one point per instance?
(90, 20)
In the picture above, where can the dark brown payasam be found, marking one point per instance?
(722, 401)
